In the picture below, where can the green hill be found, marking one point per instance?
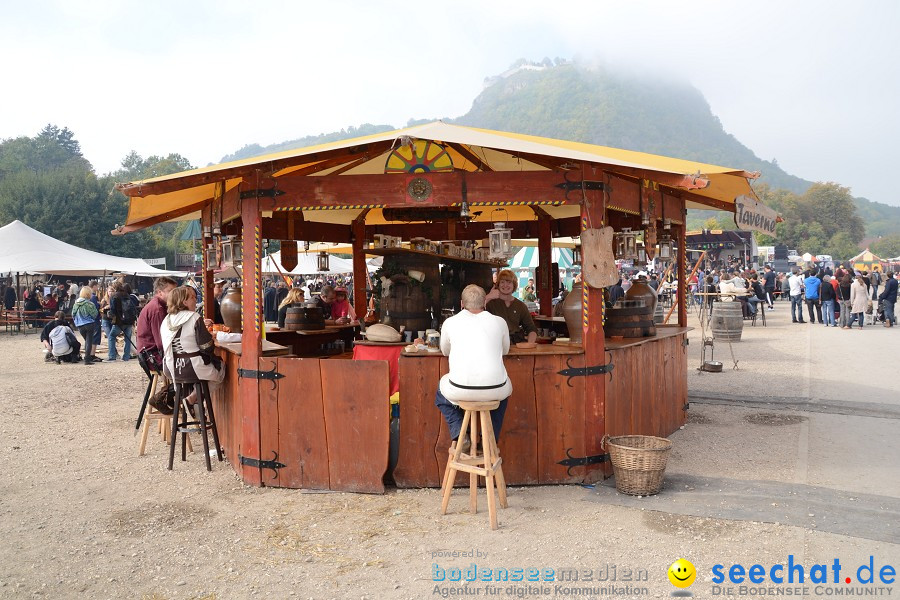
(600, 106)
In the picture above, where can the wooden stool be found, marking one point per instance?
(163, 422)
(188, 425)
(487, 464)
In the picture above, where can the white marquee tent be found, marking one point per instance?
(27, 250)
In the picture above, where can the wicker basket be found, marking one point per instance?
(639, 462)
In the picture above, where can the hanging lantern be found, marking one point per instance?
(666, 249)
(212, 256)
(322, 261)
(625, 244)
(576, 254)
(232, 251)
(500, 242)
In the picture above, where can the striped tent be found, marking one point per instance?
(525, 262)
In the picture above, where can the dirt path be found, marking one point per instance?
(84, 517)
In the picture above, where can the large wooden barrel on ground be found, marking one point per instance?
(727, 321)
(630, 319)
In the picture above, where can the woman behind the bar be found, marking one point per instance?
(500, 302)
(295, 296)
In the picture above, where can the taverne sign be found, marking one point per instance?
(754, 216)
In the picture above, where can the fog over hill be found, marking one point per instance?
(598, 105)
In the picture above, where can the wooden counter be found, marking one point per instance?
(549, 418)
(327, 421)
(268, 348)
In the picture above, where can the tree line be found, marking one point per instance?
(48, 184)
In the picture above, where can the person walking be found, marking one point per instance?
(859, 301)
(889, 299)
(812, 284)
(87, 319)
(768, 284)
(796, 283)
(827, 296)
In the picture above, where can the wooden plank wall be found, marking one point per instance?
(648, 390)
(328, 422)
(227, 409)
(543, 418)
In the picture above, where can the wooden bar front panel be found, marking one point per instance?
(648, 390)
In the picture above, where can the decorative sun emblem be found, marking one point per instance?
(419, 189)
(419, 156)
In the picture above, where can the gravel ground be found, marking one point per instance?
(84, 517)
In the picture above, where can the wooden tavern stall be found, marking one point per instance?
(322, 421)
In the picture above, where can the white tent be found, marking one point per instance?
(27, 250)
(307, 264)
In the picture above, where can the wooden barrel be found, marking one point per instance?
(727, 321)
(302, 318)
(630, 319)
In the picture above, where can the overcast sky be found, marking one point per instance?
(814, 84)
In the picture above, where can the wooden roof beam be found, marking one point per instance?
(140, 189)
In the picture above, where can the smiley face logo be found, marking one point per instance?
(682, 573)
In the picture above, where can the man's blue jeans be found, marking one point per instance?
(828, 312)
(889, 312)
(454, 415)
(114, 332)
(797, 308)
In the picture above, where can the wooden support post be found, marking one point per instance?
(681, 267)
(360, 274)
(593, 215)
(209, 307)
(251, 340)
(545, 258)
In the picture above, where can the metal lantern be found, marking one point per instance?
(232, 251)
(500, 241)
(212, 256)
(322, 261)
(625, 244)
(666, 249)
(641, 256)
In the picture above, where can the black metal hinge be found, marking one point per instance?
(571, 371)
(264, 464)
(574, 461)
(268, 193)
(568, 186)
(270, 375)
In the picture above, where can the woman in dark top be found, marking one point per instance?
(501, 302)
(295, 296)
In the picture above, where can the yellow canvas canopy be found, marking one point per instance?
(182, 195)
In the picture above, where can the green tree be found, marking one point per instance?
(832, 206)
(887, 246)
(841, 246)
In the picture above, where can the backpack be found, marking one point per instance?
(125, 314)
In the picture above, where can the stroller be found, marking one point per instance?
(879, 312)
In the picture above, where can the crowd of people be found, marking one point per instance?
(839, 298)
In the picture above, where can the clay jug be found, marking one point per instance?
(571, 311)
(230, 306)
(641, 290)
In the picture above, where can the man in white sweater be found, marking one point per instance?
(475, 342)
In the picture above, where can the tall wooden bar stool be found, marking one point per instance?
(164, 425)
(485, 464)
(205, 422)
